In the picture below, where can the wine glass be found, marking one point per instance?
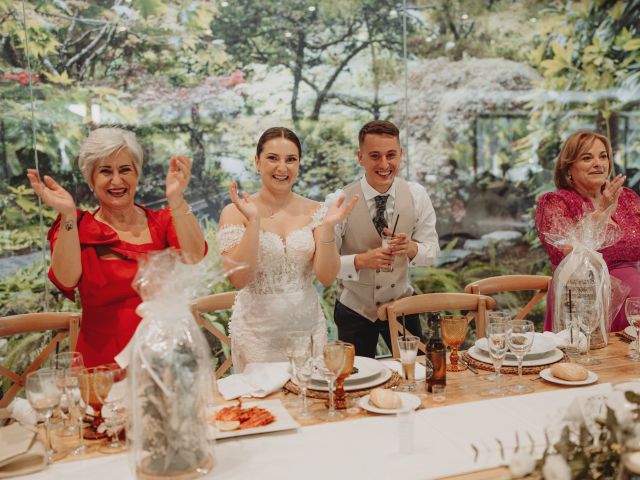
(499, 316)
(520, 334)
(632, 310)
(110, 388)
(303, 369)
(588, 318)
(43, 393)
(497, 342)
(63, 362)
(89, 397)
(349, 358)
(67, 360)
(333, 355)
(454, 330)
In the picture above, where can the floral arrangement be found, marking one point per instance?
(599, 444)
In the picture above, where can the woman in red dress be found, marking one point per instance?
(97, 252)
(583, 177)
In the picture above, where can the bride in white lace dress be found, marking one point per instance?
(284, 239)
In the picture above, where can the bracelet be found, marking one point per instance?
(178, 214)
(328, 241)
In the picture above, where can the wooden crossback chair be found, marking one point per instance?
(475, 305)
(212, 303)
(513, 283)
(62, 323)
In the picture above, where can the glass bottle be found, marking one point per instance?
(436, 353)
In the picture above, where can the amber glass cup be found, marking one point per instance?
(454, 330)
(86, 379)
(349, 357)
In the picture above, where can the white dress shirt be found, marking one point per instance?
(424, 230)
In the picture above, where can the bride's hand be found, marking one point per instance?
(337, 213)
(244, 204)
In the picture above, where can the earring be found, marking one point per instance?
(570, 179)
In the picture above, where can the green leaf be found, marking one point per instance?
(632, 45)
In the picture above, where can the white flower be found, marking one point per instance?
(522, 463)
(556, 468)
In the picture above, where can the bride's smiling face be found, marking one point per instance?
(278, 164)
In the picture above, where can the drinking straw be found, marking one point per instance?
(404, 325)
(395, 225)
(570, 318)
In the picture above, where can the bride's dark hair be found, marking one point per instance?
(278, 132)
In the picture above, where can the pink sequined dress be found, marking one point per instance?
(558, 209)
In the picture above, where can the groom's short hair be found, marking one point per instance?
(378, 127)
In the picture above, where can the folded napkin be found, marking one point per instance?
(20, 451)
(397, 367)
(257, 380)
(21, 410)
(562, 339)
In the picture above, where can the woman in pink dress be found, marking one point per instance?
(583, 176)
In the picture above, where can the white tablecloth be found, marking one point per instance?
(369, 448)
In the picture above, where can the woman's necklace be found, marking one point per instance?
(272, 213)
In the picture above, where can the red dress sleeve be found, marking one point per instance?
(52, 236)
(167, 229)
(552, 216)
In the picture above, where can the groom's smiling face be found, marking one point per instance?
(380, 156)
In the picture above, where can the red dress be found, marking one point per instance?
(558, 209)
(108, 300)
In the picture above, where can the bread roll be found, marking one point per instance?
(383, 398)
(571, 372)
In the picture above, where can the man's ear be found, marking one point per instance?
(360, 157)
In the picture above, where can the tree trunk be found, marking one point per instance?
(609, 128)
(297, 77)
(196, 143)
(4, 164)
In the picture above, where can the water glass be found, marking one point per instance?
(492, 317)
(303, 369)
(588, 318)
(520, 334)
(43, 393)
(439, 393)
(110, 388)
(333, 356)
(76, 403)
(497, 343)
(386, 243)
(632, 310)
(408, 345)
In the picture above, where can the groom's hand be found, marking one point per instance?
(374, 259)
(401, 244)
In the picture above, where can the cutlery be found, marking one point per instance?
(535, 378)
(473, 370)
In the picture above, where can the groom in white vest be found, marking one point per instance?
(382, 197)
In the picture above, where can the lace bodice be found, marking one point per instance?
(283, 263)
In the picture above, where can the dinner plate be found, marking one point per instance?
(546, 374)
(383, 376)
(542, 345)
(283, 421)
(367, 367)
(552, 357)
(409, 402)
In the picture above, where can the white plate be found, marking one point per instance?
(283, 421)
(409, 402)
(367, 369)
(383, 376)
(541, 346)
(631, 331)
(546, 374)
(551, 357)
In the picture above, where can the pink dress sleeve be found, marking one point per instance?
(552, 216)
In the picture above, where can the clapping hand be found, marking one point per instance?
(611, 191)
(338, 212)
(51, 193)
(178, 177)
(245, 205)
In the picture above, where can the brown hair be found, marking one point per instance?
(573, 147)
(278, 132)
(378, 127)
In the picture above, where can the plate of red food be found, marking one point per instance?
(250, 418)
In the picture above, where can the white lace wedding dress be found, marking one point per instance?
(281, 298)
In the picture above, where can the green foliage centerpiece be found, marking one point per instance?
(171, 375)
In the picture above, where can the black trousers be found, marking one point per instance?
(363, 333)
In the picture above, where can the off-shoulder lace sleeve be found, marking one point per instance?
(552, 216)
(318, 216)
(229, 236)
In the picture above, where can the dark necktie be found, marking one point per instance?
(379, 221)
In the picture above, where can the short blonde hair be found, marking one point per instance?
(573, 147)
(104, 142)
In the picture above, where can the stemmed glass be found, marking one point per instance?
(496, 317)
(295, 340)
(77, 405)
(349, 358)
(89, 397)
(43, 393)
(303, 369)
(63, 362)
(520, 334)
(497, 340)
(632, 310)
(333, 355)
(454, 330)
(588, 317)
(110, 388)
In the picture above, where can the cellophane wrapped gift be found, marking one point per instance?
(582, 285)
(171, 374)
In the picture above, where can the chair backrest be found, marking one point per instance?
(475, 305)
(513, 283)
(62, 323)
(212, 303)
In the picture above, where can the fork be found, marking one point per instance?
(471, 368)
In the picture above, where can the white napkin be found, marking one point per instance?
(397, 367)
(562, 339)
(257, 380)
(21, 410)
